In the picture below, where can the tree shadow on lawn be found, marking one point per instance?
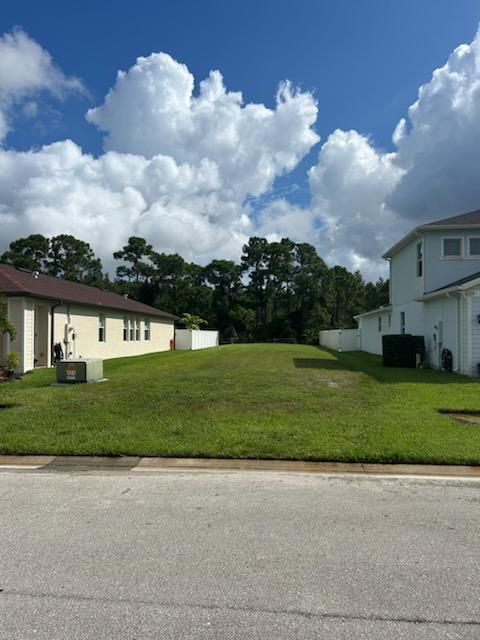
(371, 365)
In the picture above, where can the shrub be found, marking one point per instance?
(13, 362)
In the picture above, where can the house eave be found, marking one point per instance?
(28, 294)
(385, 309)
(461, 288)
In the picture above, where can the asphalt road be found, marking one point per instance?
(237, 555)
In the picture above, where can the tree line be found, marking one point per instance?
(279, 290)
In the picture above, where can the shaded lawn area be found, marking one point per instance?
(257, 401)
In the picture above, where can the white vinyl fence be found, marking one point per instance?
(339, 339)
(188, 339)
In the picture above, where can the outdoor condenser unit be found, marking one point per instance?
(80, 370)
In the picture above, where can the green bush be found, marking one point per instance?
(13, 362)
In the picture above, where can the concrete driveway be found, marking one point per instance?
(237, 555)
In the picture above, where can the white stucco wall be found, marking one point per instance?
(404, 283)
(370, 339)
(474, 328)
(441, 322)
(440, 328)
(85, 321)
(445, 322)
(439, 272)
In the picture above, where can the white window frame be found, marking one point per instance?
(379, 322)
(131, 330)
(125, 328)
(473, 256)
(138, 334)
(102, 332)
(462, 248)
(403, 322)
(146, 329)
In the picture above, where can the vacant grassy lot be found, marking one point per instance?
(259, 401)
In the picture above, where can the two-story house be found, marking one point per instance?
(434, 292)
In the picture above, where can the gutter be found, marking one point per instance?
(374, 312)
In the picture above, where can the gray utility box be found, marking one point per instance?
(80, 370)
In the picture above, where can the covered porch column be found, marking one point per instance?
(21, 314)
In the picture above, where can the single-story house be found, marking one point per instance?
(434, 292)
(86, 321)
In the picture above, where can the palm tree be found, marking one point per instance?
(192, 321)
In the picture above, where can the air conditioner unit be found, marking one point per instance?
(79, 370)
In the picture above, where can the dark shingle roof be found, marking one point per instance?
(458, 283)
(464, 219)
(18, 282)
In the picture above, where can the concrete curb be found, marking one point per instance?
(151, 464)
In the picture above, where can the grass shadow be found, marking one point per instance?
(371, 365)
(319, 363)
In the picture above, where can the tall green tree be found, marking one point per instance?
(168, 279)
(28, 253)
(224, 276)
(346, 292)
(73, 259)
(310, 294)
(135, 254)
(254, 263)
(280, 274)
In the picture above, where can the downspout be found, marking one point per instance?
(459, 333)
(52, 328)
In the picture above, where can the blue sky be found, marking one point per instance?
(364, 61)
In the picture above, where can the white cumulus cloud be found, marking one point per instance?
(27, 69)
(152, 109)
(367, 198)
(188, 166)
(178, 167)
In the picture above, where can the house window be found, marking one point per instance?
(146, 324)
(125, 328)
(132, 330)
(137, 329)
(379, 323)
(474, 247)
(402, 321)
(452, 248)
(419, 259)
(101, 327)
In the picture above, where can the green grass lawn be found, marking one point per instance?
(256, 401)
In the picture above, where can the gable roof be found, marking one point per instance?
(458, 283)
(472, 218)
(21, 282)
(457, 286)
(464, 220)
